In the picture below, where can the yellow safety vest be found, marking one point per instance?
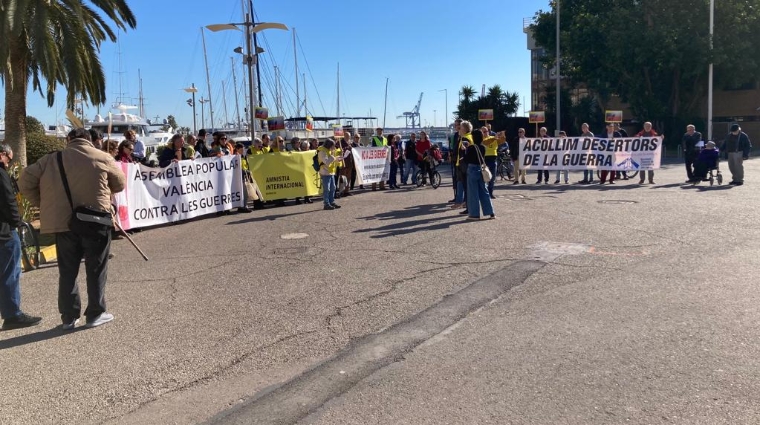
(257, 151)
(467, 137)
(492, 145)
(379, 141)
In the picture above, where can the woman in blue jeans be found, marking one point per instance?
(328, 164)
(477, 192)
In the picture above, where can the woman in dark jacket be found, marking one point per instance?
(173, 152)
(477, 192)
(201, 148)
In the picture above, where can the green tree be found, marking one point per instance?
(503, 104)
(172, 122)
(57, 41)
(34, 126)
(654, 54)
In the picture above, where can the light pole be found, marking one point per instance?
(250, 28)
(203, 117)
(556, 132)
(192, 90)
(434, 117)
(446, 119)
(710, 76)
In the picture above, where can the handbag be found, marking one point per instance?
(251, 188)
(86, 221)
(484, 171)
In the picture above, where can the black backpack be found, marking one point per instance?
(315, 162)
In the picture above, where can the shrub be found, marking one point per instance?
(39, 145)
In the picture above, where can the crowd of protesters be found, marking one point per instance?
(87, 170)
(700, 156)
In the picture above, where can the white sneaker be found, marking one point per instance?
(71, 325)
(100, 320)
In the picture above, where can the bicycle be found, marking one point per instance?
(629, 174)
(504, 166)
(421, 175)
(30, 244)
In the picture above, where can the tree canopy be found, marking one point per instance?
(654, 54)
(502, 102)
(51, 43)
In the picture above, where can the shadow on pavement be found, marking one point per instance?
(666, 186)
(414, 211)
(407, 227)
(275, 216)
(707, 188)
(36, 337)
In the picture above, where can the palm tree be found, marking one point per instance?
(57, 41)
(494, 94)
(467, 94)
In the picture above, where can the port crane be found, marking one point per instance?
(413, 118)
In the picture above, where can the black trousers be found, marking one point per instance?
(544, 173)
(427, 169)
(71, 249)
(454, 176)
(690, 160)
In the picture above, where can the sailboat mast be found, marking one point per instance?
(338, 111)
(224, 103)
(258, 71)
(385, 107)
(141, 103)
(305, 109)
(295, 59)
(278, 96)
(234, 87)
(208, 79)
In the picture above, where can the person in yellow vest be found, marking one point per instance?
(279, 145)
(465, 139)
(240, 150)
(258, 147)
(492, 144)
(378, 140)
(328, 164)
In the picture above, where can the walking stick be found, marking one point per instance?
(116, 223)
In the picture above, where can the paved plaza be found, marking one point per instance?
(577, 305)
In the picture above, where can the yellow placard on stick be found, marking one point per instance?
(613, 116)
(485, 114)
(276, 123)
(261, 113)
(536, 117)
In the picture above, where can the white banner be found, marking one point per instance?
(181, 191)
(585, 153)
(373, 164)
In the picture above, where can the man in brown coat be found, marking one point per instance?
(92, 176)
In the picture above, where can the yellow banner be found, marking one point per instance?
(285, 175)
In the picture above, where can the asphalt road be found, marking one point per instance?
(578, 305)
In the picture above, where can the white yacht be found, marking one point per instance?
(113, 128)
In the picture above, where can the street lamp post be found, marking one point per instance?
(192, 90)
(556, 132)
(446, 120)
(250, 28)
(710, 76)
(203, 116)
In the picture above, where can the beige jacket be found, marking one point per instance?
(92, 175)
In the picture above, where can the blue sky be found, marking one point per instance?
(420, 46)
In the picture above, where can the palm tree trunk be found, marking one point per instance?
(15, 104)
